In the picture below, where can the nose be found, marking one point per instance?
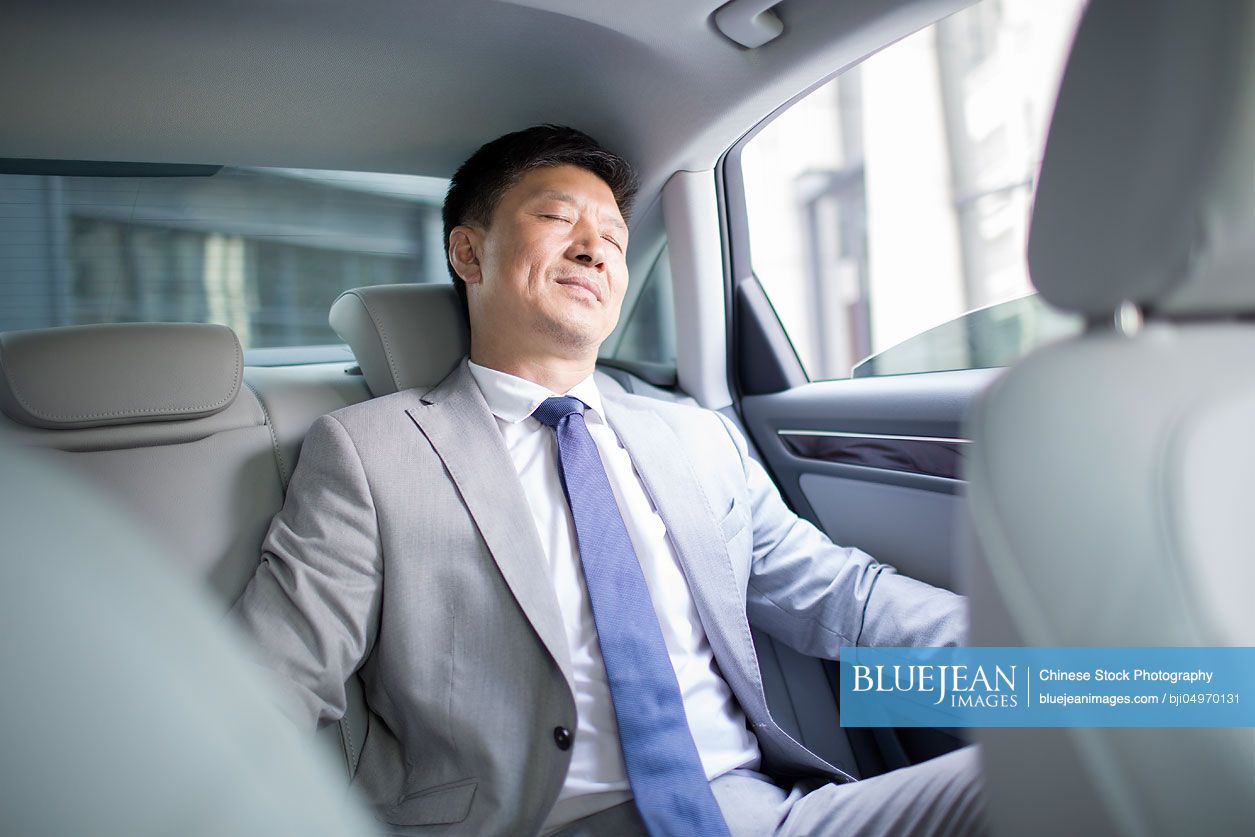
(587, 246)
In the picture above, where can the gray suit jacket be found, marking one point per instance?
(406, 547)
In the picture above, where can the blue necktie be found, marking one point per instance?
(670, 786)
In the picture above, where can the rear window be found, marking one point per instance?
(263, 251)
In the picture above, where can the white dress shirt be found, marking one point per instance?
(597, 778)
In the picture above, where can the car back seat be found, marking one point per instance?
(165, 419)
(198, 447)
(157, 415)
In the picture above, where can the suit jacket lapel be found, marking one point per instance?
(668, 476)
(456, 420)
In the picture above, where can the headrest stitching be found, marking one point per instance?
(383, 337)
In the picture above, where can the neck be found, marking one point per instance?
(556, 374)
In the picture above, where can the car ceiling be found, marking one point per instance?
(409, 86)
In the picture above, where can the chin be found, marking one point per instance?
(575, 332)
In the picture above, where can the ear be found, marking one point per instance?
(464, 247)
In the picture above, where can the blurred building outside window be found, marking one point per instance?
(896, 197)
(263, 251)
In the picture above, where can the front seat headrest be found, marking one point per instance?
(402, 335)
(1147, 189)
(122, 373)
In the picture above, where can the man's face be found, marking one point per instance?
(551, 272)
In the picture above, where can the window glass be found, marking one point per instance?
(647, 330)
(993, 336)
(264, 251)
(896, 197)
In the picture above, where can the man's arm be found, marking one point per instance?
(312, 608)
(816, 596)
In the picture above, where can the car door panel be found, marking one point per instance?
(877, 464)
(895, 436)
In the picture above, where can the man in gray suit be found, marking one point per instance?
(548, 590)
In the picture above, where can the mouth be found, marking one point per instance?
(581, 282)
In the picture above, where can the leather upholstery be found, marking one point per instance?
(402, 335)
(206, 480)
(152, 413)
(104, 375)
(1109, 479)
(128, 710)
(1146, 191)
(292, 397)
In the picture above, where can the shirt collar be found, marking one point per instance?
(513, 399)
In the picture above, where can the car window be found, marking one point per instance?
(895, 197)
(647, 324)
(264, 251)
(987, 337)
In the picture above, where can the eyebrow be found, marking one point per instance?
(550, 194)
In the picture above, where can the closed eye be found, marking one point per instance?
(557, 218)
(617, 245)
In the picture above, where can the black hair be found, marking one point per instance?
(491, 171)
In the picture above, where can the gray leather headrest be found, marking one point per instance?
(1147, 189)
(92, 376)
(402, 335)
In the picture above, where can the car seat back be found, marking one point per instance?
(1109, 478)
(155, 414)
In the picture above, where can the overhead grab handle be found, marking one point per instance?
(750, 23)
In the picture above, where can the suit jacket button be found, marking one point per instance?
(562, 737)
